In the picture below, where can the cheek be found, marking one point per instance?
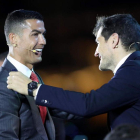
(31, 44)
(100, 48)
(34, 38)
(23, 43)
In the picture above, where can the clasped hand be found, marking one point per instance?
(18, 82)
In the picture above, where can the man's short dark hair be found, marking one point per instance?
(15, 20)
(124, 25)
(124, 132)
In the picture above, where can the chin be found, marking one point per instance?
(101, 68)
(38, 61)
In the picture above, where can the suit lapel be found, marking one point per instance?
(36, 117)
(7, 65)
(50, 126)
(49, 122)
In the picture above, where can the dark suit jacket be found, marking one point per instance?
(19, 116)
(120, 97)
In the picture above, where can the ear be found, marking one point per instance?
(13, 38)
(115, 40)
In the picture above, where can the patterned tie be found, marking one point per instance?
(43, 110)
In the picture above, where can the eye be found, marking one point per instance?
(44, 34)
(35, 34)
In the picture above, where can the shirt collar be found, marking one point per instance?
(20, 67)
(120, 63)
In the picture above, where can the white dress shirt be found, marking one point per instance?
(20, 67)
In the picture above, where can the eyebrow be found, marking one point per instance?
(38, 31)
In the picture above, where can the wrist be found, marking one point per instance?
(36, 90)
(32, 86)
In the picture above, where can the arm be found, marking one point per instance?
(113, 95)
(120, 91)
(9, 119)
(17, 79)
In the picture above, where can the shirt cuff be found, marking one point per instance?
(37, 91)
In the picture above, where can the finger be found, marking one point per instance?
(11, 79)
(15, 73)
(8, 79)
(9, 86)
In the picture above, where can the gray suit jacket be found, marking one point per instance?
(19, 116)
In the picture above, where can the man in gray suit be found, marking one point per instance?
(19, 116)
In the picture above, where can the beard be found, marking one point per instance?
(105, 65)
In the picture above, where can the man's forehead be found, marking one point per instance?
(29, 22)
(99, 33)
(34, 24)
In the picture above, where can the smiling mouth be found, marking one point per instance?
(39, 50)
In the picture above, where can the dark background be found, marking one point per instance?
(68, 58)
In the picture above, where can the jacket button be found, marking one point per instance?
(42, 101)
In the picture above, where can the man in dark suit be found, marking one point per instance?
(118, 39)
(20, 118)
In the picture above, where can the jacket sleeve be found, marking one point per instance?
(9, 119)
(122, 90)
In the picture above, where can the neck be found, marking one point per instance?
(121, 62)
(30, 66)
(119, 54)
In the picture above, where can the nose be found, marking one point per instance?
(42, 39)
(96, 53)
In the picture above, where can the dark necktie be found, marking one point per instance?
(43, 110)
